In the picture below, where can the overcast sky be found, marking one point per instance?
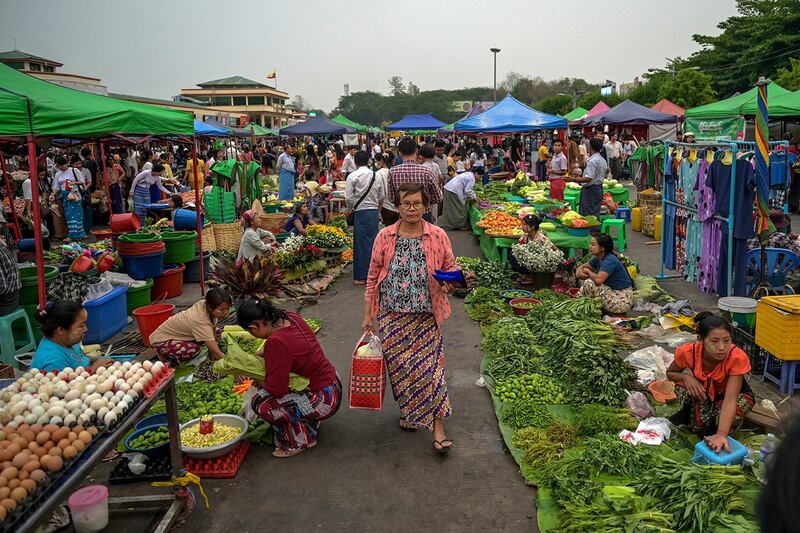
(155, 48)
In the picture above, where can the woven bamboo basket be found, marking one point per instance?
(650, 199)
(649, 220)
(228, 236)
(273, 222)
(209, 242)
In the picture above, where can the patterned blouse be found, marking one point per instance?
(405, 288)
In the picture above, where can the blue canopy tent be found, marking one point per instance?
(416, 123)
(203, 129)
(630, 113)
(317, 126)
(510, 115)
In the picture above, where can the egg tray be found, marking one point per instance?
(38, 495)
(157, 470)
(152, 386)
(225, 466)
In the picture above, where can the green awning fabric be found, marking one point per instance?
(783, 105)
(344, 121)
(30, 105)
(260, 131)
(742, 104)
(576, 113)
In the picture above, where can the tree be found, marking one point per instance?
(413, 90)
(789, 78)
(555, 105)
(300, 103)
(396, 86)
(756, 42)
(689, 88)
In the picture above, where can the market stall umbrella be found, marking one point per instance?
(203, 129)
(576, 114)
(741, 104)
(510, 115)
(31, 108)
(665, 106)
(344, 121)
(317, 126)
(630, 113)
(416, 123)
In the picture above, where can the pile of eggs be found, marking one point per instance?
(76, 396)
(29, 452)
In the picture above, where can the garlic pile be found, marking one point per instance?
(76, 396)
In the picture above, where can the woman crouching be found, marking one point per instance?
(291, 347)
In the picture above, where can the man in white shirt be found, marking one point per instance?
(375, 147)
(457, 191)
(392, 142)
(349, 163)
(363, 183)
(232, 152)
(614, 154)
(27, 194)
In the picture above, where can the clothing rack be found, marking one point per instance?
(735, 147)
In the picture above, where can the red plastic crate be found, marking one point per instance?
(220, 467)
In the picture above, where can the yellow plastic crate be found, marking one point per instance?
(778, 326)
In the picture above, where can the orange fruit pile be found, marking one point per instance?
(499, 223)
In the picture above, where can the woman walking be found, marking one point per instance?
(66, 184)
(389, 213)
(410, 307)
(115, 175)
(363, 195)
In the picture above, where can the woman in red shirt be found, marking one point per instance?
(291, 347)
(715, 395)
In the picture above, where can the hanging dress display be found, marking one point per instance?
(693, 229)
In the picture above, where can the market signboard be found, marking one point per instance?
(727, 129)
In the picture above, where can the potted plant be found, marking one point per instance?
(540, 259)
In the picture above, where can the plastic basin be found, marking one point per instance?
(143, 266)
(220, 449)
(169, 284)
(121, 223)
(149, 317)
(153, 420)
(186, 219)
(29, 291)
(139, 296)
(519, 307)
(510, 294)
(181, 246)
(739, 311)
(152, 453)
(192, 272)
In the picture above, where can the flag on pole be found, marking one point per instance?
(763, 225)
(272, 75)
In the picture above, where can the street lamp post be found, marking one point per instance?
(494, 51)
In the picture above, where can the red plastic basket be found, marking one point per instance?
(219, 467)
(367, 380)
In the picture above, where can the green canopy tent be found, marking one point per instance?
(576, 113)
(783, 105)
(344, 121)
(741, 104)
(31, 108)
(260, 131)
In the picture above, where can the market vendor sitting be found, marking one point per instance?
(181, 337)
(298, 222)
(291, 347)
(532, 234)
(63, 327)
(255, 240)
(710, 378)
(605, 277)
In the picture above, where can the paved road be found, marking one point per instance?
(368, 475)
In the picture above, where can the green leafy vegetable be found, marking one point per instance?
(592, 419)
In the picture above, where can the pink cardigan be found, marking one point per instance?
(438, 255)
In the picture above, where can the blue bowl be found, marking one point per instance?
(152, 420)
(152, 453)
(518, 293)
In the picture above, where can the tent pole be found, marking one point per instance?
(18, 232)
(199, 209)
(105, 178)
(37, 219)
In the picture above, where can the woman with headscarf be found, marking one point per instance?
(255, 240)
(286, 174)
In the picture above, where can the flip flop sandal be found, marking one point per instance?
(442, 448)
(283, 454)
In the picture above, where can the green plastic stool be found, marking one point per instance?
(9, 346)
(620, 241)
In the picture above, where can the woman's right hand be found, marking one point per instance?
(366, 324)
(694, 387)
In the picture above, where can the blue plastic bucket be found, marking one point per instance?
(143, 266)
(27, 245)
(107, 315)
(186, 219)
(192, 272)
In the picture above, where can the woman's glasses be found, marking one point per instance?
(411, 205)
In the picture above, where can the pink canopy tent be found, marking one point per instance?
(599, 107)
(665, 106)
